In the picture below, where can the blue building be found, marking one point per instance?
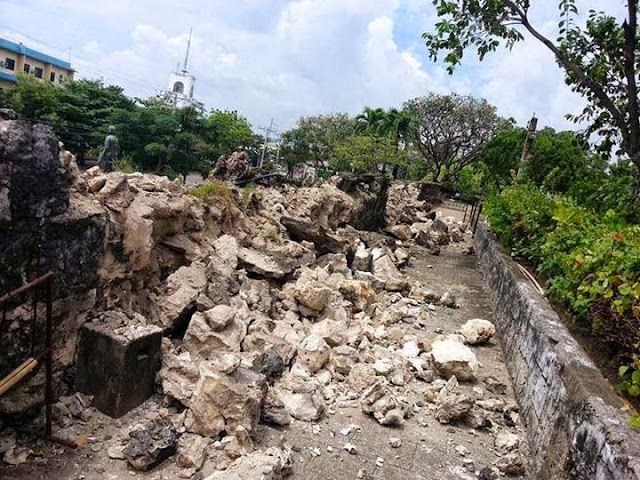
(16, 58)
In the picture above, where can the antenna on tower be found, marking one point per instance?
(186, 57)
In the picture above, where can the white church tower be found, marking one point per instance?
(181, 84)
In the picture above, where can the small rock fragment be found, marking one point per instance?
(395, 442)
(17, 455)
(506, 442)
(351, 448)
(151, 445)
(477, 331)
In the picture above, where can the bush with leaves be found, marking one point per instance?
(591, 263)
(521, 217)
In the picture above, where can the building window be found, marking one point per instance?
(27, 67)
(10, 64)
(52, 77)
(38, 72)
(178, 87)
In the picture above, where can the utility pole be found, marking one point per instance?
(531, 135)
(266, 140)
(278, 151)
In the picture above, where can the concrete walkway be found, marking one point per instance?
(429, 449)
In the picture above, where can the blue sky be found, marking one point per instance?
(284, 59)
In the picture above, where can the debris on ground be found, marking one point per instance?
(275, 310)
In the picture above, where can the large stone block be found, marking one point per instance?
(117, 361)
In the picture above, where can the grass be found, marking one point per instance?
(209, 190)
(274, 234)
(125, 165)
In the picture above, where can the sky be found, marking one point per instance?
(280, 60)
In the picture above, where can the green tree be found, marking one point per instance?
(372, 121)
(313, 137)
(557, 161)
(227, 131)
(35, 100)
(85, 110)
(600, 58)
(147, 133)
(452, 130)
(363, 153)
(501, 155)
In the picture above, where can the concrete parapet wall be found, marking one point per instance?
(576, 428)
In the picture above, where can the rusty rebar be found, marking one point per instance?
(49, 366)
(27, 286)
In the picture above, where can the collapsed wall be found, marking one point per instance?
(575, 422)
(136, 243)
(43, 226)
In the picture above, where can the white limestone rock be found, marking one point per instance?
(477, 331)
(451, 357)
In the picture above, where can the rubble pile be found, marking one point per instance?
(275, 310)
(277, 330)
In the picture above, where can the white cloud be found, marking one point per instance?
(284, 59)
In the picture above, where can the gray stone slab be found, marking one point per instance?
(117, 362)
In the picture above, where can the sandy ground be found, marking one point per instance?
(428, 449)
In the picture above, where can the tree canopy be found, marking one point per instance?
(363, 153)
(153, 135)
(557, 160)
(312, 137)
(452, 130)
(600, 58)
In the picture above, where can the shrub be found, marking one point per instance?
(591, 263)
(521, 217)
(125, 165)
(210, 190)
(274, 234)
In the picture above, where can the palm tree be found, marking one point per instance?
(371, 121)
(400, 125)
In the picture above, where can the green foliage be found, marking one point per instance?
(227, 131)
(125, 165)
(591, 263)
(33, 99)
(313, 137)
(210, 190)
(157, 136)
(557, 161)
(363, 153)
(521, 216)
(630, 380)
(274, 234)
(502, 155)
(599, 57)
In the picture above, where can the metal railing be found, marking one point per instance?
(19, 373)
(473, 212)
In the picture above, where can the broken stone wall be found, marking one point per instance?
(575, 425)
(372, 192)
(44, 225)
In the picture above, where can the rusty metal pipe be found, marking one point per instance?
(26, 286)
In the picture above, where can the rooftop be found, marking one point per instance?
(30, 52)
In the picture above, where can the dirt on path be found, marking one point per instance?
(423, 448)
